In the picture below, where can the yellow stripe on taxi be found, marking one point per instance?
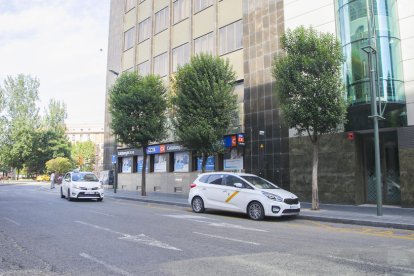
(231, 196)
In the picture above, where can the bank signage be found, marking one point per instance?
(128, 152)
(164, 148)
(234, 140)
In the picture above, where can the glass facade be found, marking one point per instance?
(352, 23)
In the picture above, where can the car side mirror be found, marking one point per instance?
(238, 185)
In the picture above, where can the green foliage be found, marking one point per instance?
(137, 107)
(55, 116)
(83, 155)
(308, 82)
(204, 103)
(138, 110)
(46, 145)
(60, 165)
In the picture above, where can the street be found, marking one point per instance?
(42, 234)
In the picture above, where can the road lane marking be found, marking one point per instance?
(12, 221)
(366, 231)
(108, 266)
(405, 269)
(225, 238)
(215, 224)
(100, 213)
(141, 238)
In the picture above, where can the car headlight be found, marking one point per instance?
(74, 186)
(273, 197)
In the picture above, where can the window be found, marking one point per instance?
(129, 5)
(144, 30)
(162, 20)
(181, 10)
(129, 39)
(204, 44)
(231, 180)
(180, 56)
(202, 4)
(161, 65)
(231, 37)
(216, 179)
(144, 68)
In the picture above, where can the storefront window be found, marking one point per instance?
(209, 166)
(181, 162)
(140, 161)
(127, 164)
(160, 162)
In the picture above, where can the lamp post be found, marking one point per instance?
(115, 162)
(371, 51)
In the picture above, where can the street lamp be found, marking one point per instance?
(115, 162)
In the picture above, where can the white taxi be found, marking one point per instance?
(81, 185)
(244, 193)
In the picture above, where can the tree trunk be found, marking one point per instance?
(144, 169)
(18, 173)
(204, 163)
(315, 197)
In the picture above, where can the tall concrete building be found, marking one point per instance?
(156, 36)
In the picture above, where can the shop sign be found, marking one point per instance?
(128, 152)
(164, 148)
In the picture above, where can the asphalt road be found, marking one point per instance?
(42, 234)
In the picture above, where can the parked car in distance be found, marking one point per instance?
(107, 177)
(241, 192)
(84, 185)
(43, 177)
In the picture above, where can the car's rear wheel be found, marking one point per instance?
(197, 204)
(255, 211)
(61, 193)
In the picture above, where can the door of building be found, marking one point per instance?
(390, 168)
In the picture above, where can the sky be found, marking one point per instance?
(63, 44)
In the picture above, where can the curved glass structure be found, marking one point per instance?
(352, 25)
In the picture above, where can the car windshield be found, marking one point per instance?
(258, 182)
(87, 177)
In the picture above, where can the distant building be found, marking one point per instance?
(88, 132)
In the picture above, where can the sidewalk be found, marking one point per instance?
(393, 217)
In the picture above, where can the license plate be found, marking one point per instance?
(89, 193)
(294, 206)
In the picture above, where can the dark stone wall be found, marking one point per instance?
(339, 171)
(406, 156)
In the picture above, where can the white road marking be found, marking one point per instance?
(108, 266)
(370, 263)
(216, 224)
(225, 238)
(13, 221)
(100, 213)
(141, 238)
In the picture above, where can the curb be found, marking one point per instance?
(301, 216)
(151, 201)
(359, 222)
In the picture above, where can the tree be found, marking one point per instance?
(83, 154)
(55, 116)
(309, 88)
(46, 145)
(204, 104)
(138, 110)
(19, 119)
(60, 165)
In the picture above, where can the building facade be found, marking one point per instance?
(156, 36)
(89, 132)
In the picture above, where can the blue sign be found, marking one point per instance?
(209, 165)
(113, 159)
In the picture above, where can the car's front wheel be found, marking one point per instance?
(197, 204)
(255, 211)
(69, 197)
(100, 199)
(61, 193)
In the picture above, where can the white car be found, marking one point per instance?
(81, 185)
(244, 193)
